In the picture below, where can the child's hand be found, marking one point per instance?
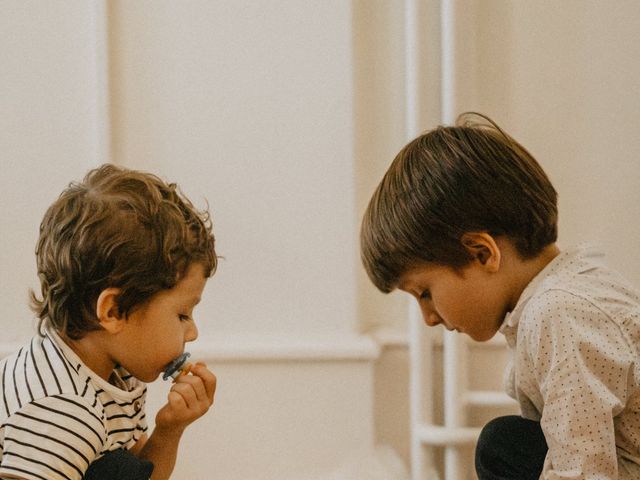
(189, 398)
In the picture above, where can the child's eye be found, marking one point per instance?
(184, 318)
(426, 295)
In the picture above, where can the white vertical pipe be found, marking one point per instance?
(453, 362)
(100, 70)
(421, 379)
(447, 56)
(453, 366)
(411, 67)
(415, 335)
(416, 372)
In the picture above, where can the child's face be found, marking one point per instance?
(156, 333)
(471, 300)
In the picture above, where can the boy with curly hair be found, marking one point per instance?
(122, 260)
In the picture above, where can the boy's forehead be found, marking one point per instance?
(194, 300)
(413, 274)
(425, 272)
(189, 288)
(181, 299)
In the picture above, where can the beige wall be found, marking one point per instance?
(284, 116)
(48, 132)
(249, 105)
(563, 77)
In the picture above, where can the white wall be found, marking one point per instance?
(48, 134)
(563, 77)
(284, 115)
(247, 106)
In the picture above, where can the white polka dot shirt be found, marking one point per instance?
(574, 337)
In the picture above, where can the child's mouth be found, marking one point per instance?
(177, 367)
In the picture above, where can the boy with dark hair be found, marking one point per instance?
(465, 220)
(122, 259)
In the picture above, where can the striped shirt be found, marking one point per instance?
(57, 416)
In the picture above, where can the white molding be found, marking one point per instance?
(287, 348)
(390, 337)
(236, 348)
(232, 349)
(395, 337)
(489, 398)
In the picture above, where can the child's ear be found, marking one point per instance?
(107, 310)
(483, 248)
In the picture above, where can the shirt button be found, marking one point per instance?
(137, 406)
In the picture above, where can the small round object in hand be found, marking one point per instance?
(178, 367)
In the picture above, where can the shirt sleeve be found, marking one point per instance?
(583, 367)
(52, 438)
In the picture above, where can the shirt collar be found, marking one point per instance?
(70, 356)
(129, 391)
(575, 259)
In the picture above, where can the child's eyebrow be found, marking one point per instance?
(188, 302)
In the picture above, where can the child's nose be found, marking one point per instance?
(192, 332)
(431, 318)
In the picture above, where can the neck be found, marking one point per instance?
(91, 350)
(528, 269)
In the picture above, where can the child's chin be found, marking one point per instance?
(482, 337)
(148, 377)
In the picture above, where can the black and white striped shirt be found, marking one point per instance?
(57, 416)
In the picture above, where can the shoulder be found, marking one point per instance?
(52, 434)
(559, 311)
(564, 322)
(39, 371)
(593, 294)
(584, 278)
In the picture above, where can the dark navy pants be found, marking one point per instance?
(510, 448)
(119, 465)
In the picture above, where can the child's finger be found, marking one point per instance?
(197, 384)
(176, 400)
(187, 393)
(208, 379)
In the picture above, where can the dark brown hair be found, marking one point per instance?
(117, 228)
(450, 181)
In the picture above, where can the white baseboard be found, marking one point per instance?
(236, 348)
(397, 337)
(287, 348)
